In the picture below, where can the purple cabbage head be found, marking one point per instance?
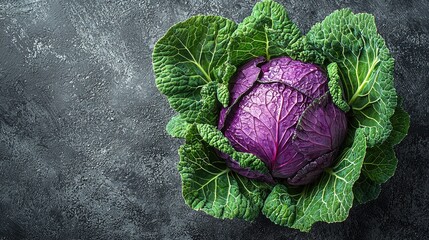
(280, 111)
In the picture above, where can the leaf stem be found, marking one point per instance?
(365, 81)
(267, 45)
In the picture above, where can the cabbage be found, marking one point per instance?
(282, 113)
(298, 127)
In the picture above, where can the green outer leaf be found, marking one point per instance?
(303, 51)
(177, 127)
(266, 32)
(192, 135)
(328, 200)
(216, 139)
(209, 185)
(365, 67)
(280, 207)
(335, 87)
(209, 110)
(225, 72)
(401, 123)
(187, 58)
(223, 94)
(380, 162)
(365, 190)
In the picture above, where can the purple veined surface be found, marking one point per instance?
(281, 112)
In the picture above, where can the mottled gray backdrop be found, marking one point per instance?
(83, 150)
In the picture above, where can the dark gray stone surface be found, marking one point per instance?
(83, 151)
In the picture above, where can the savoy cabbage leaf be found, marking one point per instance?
(209, 185)
(335, 87)
(189, 57)
(380, 162)
(267, 32)
(365, 67)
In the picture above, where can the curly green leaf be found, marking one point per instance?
(267, 32)
(335, 87)
(365, 68)
(209, 185)
(187, 58)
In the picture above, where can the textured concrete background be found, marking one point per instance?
(83, 151)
